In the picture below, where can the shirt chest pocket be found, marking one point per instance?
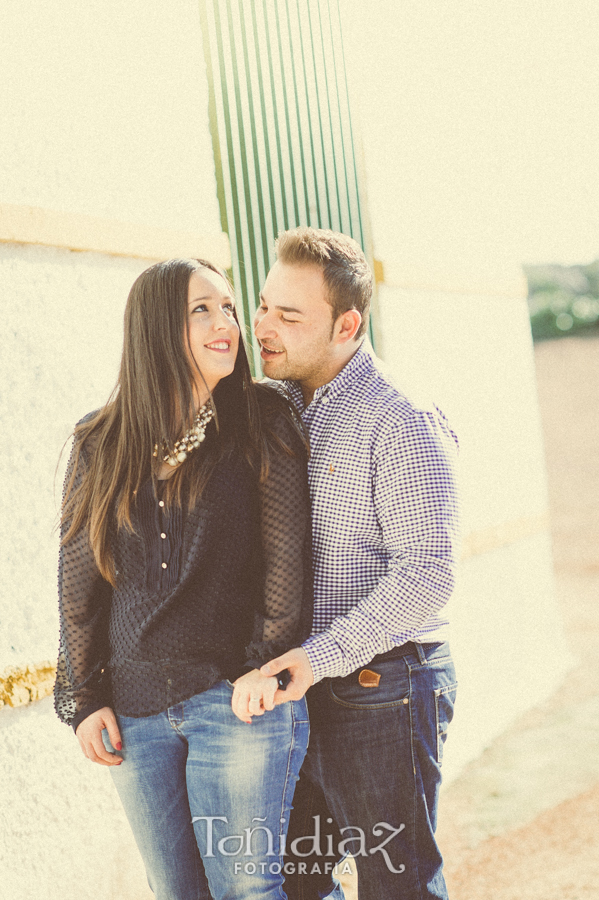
(344, 484)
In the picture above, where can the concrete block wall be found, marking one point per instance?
(64, 832)
(105, 146)
(471, 353)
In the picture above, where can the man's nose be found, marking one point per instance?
(263, 325)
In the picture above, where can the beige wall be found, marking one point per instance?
(471, 353)
(103, 111)
(105, 166)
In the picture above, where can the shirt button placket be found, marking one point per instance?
(162, 533)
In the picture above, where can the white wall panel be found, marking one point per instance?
(472, 356)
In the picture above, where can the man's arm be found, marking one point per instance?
(414, 496)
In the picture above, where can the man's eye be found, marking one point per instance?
(289, 321)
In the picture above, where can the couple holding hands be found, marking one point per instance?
(245, 566)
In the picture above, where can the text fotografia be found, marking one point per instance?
(326, 868)
(309, 845)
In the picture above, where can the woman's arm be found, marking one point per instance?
(82, 685)
(286, 615)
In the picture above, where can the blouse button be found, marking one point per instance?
(164, 565)
(163, 535)
(161, 503)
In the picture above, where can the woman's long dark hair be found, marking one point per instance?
(152, 402)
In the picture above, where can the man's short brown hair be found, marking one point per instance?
(347, 275)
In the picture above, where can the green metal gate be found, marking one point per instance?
(281, 128)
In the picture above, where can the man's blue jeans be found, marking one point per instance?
(209, 797)
(375, 755)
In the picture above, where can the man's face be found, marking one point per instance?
(294, 325)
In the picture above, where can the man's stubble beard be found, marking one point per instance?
(298, 372)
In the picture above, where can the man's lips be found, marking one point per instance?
(269, 353)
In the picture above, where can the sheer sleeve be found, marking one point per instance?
(84, 601)
(286, 615)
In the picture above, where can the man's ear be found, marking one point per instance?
(347, 325)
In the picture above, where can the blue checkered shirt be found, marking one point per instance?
(384, 512)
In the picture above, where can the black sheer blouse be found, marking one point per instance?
(199, 594)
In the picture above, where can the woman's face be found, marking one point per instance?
(212, 329)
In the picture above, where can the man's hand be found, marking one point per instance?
(302, 676)
(89, 735)
(253, 695)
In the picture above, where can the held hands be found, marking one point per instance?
(253, 695)
(89, 735)
(256, 692)
(302, 676)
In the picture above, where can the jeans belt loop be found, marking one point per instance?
(421, 654)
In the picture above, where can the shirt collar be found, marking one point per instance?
(360, 363)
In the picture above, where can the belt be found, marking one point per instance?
(396, 652)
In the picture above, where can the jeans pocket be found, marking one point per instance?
(391, 689)
(444, 704)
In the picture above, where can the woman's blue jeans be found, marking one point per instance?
(208, 797)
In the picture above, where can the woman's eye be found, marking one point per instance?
(201, 307)
(229, 306)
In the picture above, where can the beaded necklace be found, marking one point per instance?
(191, 439)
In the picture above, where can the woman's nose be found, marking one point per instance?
(222, 321)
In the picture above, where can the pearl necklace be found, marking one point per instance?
(191, 439)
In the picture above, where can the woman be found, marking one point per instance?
(183, 568)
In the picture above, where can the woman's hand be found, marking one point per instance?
(89, 735)
(253, 695)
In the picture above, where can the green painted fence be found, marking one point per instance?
(281, 128)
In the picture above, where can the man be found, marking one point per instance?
(382, 683)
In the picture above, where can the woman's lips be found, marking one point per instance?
(219, 346)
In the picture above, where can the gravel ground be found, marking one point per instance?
(521, 822)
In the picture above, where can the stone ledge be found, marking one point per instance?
(20, 686)
(75, 231)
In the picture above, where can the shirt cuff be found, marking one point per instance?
(325, 655)
(85, 712)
